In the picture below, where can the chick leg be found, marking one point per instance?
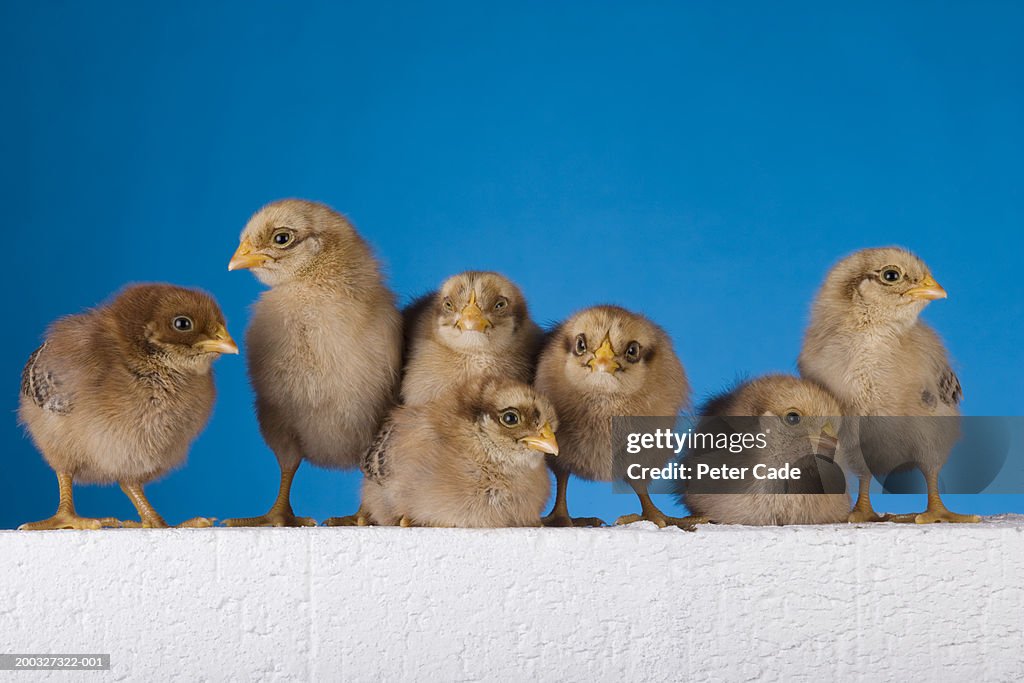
(360, 518)
(66, 517)
(151, 519)
(559, 515)
(862, 510)
(280, 513)
(937, 511)
(649, 512)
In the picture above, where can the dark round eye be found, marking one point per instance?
(633, 351)
(183, 323)
(581, 345)
(500, 304)
(891, 275)
(792, 418)
(510, 418)
(447, 304)
(281, 237)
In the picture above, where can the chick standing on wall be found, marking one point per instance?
(119, 392)
(603, 362)
(799, 422)
(472, 458)
(476, 325)
(324, 345)
(867, 345)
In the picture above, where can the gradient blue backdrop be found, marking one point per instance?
(701, 162)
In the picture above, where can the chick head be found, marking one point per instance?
(477, 310)
(183, 328)
(886, 283)
(611, 350)
(795, 415)
(293, 239)
(513, 417)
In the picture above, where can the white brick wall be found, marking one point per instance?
(882, 602)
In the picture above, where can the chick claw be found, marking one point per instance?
(684, 523)
(560, 520)
(360, 518)
(271, 519)
(861, 516)
(70, 521)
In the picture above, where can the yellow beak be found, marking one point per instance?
(829, 430)
(544, 442)
(928, 290)
(245, 258)
(827, 441)
(221, 343)
(604, 358)
(471, 318)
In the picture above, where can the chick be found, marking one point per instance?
(324, 345)
(799, 422)
(118, 393)
(867, 345)
(470, 458)
(476, 325)
(603, 362)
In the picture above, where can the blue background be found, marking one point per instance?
(702, 162)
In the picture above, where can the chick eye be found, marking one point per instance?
(581, 345)
(182, 323)
(500, 304)
(633, 351)
(448, 305)
(892, 275)
(510, 418)
(281, 237)
(792, 418)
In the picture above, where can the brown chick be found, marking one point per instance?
(799, 422)
(118, 393)
(475, 326)
(324, 345)
(472, 458)
(867, 345)
(603, 362)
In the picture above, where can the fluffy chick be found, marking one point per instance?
(471, 458)
(475, 326)
(867, 345)
(800, 423)
(119, 392)
(603, 362)
(324, 345)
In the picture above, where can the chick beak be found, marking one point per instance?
(827, 441)
(245, 258)
(471, 318)
(221, 343)
(604, 358)
(544, 442)
(928, 290)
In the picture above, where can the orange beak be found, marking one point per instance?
(221, 343)
(928, 290)
(544, 442)
(471, 318)
(604, 358)
(245, 258)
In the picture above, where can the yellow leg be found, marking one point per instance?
(862, 510)
(66, 517)
(280, 513)
(151, 519)
(559, 515)
(649, 512)
(937, 511)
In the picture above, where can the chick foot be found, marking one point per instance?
(862, 516)
(159, 523)
(684, 523)
(69, 520)
(360, 518)
(564, 520)
(272, 518)
(933, 516)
